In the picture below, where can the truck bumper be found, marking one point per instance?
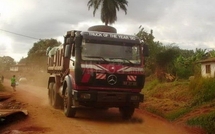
(107, 99)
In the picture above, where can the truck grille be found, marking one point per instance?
(117, 80)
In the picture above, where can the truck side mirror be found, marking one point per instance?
(67, 51)
(145, 50)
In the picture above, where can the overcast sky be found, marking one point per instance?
(189, 24)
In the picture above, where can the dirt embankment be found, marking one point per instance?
(176, 102)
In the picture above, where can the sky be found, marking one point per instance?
(189, 25)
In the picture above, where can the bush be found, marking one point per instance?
(206, 121)
(203, 90)
(178, 113)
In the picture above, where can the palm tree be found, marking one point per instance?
(108, 9)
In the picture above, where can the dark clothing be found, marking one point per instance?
(2, 79)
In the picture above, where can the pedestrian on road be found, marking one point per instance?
(13, 82)
(2, 78)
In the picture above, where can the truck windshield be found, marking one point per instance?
(127, 53)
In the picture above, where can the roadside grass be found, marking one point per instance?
(172, 98)
(203, 90)
(177, 113)
(151, 85)
(204, 93)
(155, 111)
(207, 121)
(193, 102)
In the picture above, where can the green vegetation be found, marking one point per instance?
(109, 9)
(191, 102)
(207, 121)
(37, 57)
(176, 99)
(6, 62)
(177, 113)
(170, 59)
(203, 90)
(155, 111)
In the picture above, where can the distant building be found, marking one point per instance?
(14, 68)
(17, 68)
(208, 67)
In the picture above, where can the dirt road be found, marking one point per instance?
(44, 119)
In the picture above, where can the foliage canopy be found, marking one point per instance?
(109, 9)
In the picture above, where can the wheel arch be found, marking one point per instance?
(67, 83)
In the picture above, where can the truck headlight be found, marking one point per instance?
(134, 98)
(85, 96)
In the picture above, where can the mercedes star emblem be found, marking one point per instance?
(112, 79)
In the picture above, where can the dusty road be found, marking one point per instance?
(44, 119)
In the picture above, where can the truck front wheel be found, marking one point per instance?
(126, 112)
(69, 111)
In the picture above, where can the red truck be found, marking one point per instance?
(97, 68)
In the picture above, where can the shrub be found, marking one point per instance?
(207, 121)
(150, 85)
(203, 90)
(178, 113)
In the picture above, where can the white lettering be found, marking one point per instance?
(105, 35)
(96, 34)
(112, 35)
(123, 37)
(132, 37)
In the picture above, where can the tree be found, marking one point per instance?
(187, 65)
(37, 54)
(211, 53)
(6, 62)
(154, 49)
(22, 60)
(109, 9)
(165, 68)
(163, 59)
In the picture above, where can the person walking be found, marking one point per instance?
(2, 78)
(13, 82)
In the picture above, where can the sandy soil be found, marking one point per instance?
(44, 119)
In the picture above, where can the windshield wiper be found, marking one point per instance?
(124, 59)
(99, 57)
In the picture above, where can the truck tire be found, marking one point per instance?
(126, 112)
(69, 111)
(57, 101)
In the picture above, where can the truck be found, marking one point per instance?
(97, 68)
